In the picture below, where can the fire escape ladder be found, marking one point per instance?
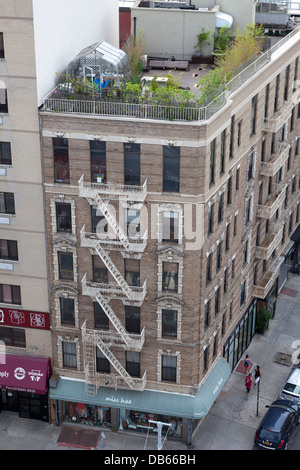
(115, 363)
(103, 206)
(113, 270)
(89, 362)
(113, 317)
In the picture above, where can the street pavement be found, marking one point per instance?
(232, 420)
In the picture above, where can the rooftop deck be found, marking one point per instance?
(181, 112)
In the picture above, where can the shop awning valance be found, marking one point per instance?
(25, 373)
(165, 403)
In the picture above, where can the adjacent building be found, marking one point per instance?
(36, 39)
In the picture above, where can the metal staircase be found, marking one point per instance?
(101, 244)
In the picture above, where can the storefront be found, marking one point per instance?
(241, 337)
(24, 382)
(131, 410)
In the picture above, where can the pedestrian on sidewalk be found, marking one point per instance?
(247, 364)
(248, 383)
(257, 375)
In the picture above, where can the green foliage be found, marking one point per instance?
(203, 38)
(221, 40)
(262, 320)
(247, 44)
(69, 86)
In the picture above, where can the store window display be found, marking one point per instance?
(87, 414)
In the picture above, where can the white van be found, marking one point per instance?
(291, 390)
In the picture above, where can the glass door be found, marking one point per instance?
(33, 406)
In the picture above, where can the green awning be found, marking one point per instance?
(166, 403)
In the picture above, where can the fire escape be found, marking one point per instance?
(101, 195)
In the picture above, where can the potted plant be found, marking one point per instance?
(262, 320)
(203, 39)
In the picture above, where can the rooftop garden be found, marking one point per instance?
(231, 55)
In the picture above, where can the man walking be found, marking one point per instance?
(248, 383)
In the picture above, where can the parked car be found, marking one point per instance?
(277, 425)
(291, 389)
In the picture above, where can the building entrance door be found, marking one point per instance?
(9, 400)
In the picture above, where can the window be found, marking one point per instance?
(243, 293)
(7, 203)
(65, 264)
(170, 276)
(13, 337)
(222, 152)
(99, 223)
(250, 173)
(210, 218)
(133, 223)
(209, 268)
(5, 153)
(286, 84)
(253, 115)
(231, 149)
(2, 56)
(295, 73)
(170, 222)
(248, 210)
(227, 238)
(212, 162)
(239, 133)
(169, 366)
(132, 165)
(133, 363)
(219, 256)
(69, 355)
(9, 250)
(245, 252)
(63, 217)
(132, 319)
(169, 323)
(61, 160)
(132, 272)
(3, 98)
(100, 272)
(98, 161)
(171, 169)
(67, 312)
(207, 314)
(217, 300)
(102, 363)
(276, 93)
(101, 320)
(220, 208)
(266, 110)
(263, 150)
(205, 360)
(229, 190)
(10, 294)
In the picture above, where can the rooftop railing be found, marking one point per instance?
(181, 112)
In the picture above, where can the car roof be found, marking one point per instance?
(294, 377)
(276, 415)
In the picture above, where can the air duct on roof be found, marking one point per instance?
(223, 20)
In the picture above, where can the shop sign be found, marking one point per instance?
(25, 374)
(118, 401)
(24, 319)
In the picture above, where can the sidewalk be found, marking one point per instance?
(231, 422)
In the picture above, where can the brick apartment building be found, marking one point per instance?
(31, 54)
(164, 240)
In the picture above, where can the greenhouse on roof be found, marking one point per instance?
(103, 63)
